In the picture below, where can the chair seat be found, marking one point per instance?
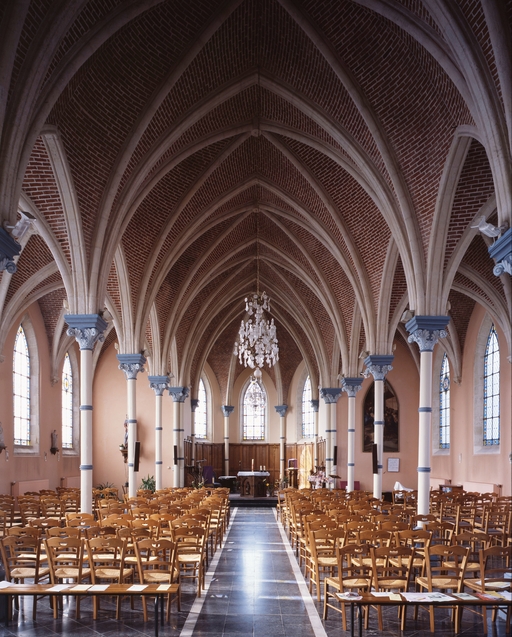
(113, 573)
(327, 561)
(71, 572)
(439, 582)
(27, 573)
(189, 557)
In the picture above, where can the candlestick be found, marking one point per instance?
(252, 464)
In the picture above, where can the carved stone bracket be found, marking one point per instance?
(501, 252)
(427, 330)
(351, 386)
(179, 394)
(131, 364)
(158, 384)
(379, 365)
(227, 410)
(330, 394)
(281, 410)
(86, 328)
(9, 248)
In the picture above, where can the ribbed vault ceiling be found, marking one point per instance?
(169, 150)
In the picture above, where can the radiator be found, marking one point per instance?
(72, 482)
(21, 487)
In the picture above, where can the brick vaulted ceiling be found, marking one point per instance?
(171, 150)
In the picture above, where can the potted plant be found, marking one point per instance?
(148, 483)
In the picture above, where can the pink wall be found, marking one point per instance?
(43, 465)
(404, 379)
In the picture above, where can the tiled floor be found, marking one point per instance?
(254, 589)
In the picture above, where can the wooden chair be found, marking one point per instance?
(495, 569)
(65, 559)
(349, 578)
(156, 564)
(322, 555)
(21, 557)
(391, 570)
(190, 553)
(446, 568)
(105, 556)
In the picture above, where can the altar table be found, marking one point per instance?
(253, 484)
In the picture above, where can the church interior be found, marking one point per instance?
(161, 161)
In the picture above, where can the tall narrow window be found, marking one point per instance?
(201, 415)
(21, 393)
(308, 415)
(444, 405)
(254, 411)
(67, 404)
(492, 390)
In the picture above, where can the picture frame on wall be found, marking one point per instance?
(391, 419)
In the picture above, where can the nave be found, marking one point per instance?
(254, 587)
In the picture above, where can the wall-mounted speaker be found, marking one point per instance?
(175, 454)
(375, 459)
(136, 457)
(335, 455)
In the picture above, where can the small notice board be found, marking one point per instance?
(393, 465)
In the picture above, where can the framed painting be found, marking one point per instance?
(391, 422)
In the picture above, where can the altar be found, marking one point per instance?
(253, 484)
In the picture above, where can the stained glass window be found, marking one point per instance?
(308, 415)
(492, 390)
(21, 392)
(444, 405)
(254, 411)
(67, 404)
(201, 414)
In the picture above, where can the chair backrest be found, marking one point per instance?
(445, 562)
(392, 567)
(63, 531)
(23, 531)
(105, 553)
(64, 553)
(155, 555)
(20, 552)
(495, 563)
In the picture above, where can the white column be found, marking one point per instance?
(194, 404)
(227, 410)
(179, 394)
(159, 384)
(87, 329)
(378, 366)
(330, 396)
(314, 405)
(426, 331)
(351, 386)
(281, 410)
(131, 365)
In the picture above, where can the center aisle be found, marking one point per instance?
(256, 588)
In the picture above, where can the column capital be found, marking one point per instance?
(86, 328)
(9, 248)
(427, 330)
(330, 394)
(379, 365)
(194, 404)
(131, 364)
(281, 410)
(227, 410)
(314, 405)
(158, 384)
(501, 252)
(351, 386)
(179, 394)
